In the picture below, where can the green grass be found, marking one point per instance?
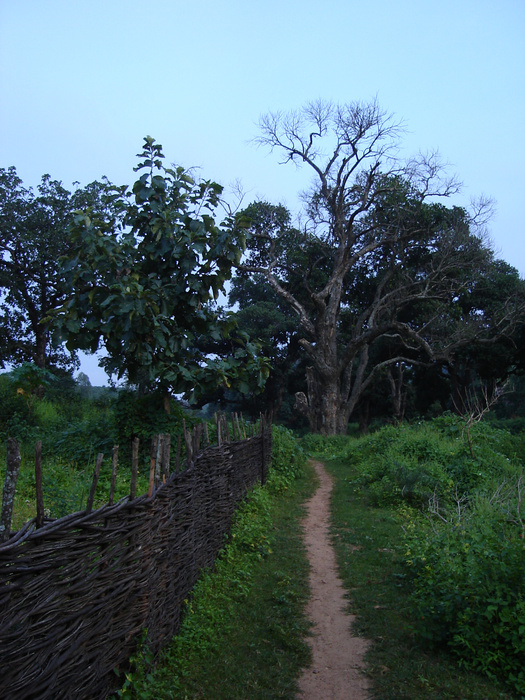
(367, 540)
(244, 630)
(66, 485)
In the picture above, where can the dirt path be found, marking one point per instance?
(336, 672)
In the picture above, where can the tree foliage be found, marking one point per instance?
(33, 236)
(144, 274)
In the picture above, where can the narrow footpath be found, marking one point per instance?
(337, 669)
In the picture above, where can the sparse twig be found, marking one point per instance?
(476, 404)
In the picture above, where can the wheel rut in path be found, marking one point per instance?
(337, 669)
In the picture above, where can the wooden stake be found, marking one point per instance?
(218, 424)
(226, 428)
(238, 425)
(243, 427)
(158, 459)
(263, 456)
(166, 451)
(197, 434)
(152, 456)
(114, 464)
(134, 467)
(11, 476)
(39, 487)
(177, 461)
(188, 441)
(91, 497)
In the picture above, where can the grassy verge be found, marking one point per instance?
(367, 539)
(244, 630)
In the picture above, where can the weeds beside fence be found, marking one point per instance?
(76, 593)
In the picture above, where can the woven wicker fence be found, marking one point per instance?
(76, 593)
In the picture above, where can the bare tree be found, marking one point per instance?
(373, 224)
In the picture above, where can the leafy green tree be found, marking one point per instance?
(144, 276)
(495, 297)
(379, 260)
(264, 315)
(33, 236)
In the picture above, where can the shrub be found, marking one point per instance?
(468, 571)
(288, 458)
(464, 545)
(415, 463)
(324, 445)
(402, 463)
(15, 416)
(143, 417)
(80, 441)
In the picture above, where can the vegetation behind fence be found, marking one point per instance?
(76, 593)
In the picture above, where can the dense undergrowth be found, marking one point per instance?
(461, 540)
(74, 424)
(243, 633)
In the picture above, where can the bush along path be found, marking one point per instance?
(337, 668)
(421, 579)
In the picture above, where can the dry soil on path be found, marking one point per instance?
(337, 669)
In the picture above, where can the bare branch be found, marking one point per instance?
(427, 172)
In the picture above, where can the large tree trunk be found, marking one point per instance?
(323, 407)
(40, 348)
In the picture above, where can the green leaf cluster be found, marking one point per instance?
(34, 235)
(288, 458)
(144, 274)
(468, 573)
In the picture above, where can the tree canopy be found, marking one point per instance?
(380, 261)
(144, 274)
(34, 234)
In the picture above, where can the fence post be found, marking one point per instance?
(158, 459)
(196, 440)
(114, 465)
(238, 426)
(39, 488)
(189, 443)
(225, 428)
(218, 424)
(91, 497)
(152, 457)
(243, 426)
(134, 468)
(11, 476)
(166, 451)
(263, 450)
(177, 460)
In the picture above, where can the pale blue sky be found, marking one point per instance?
(81, 83)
